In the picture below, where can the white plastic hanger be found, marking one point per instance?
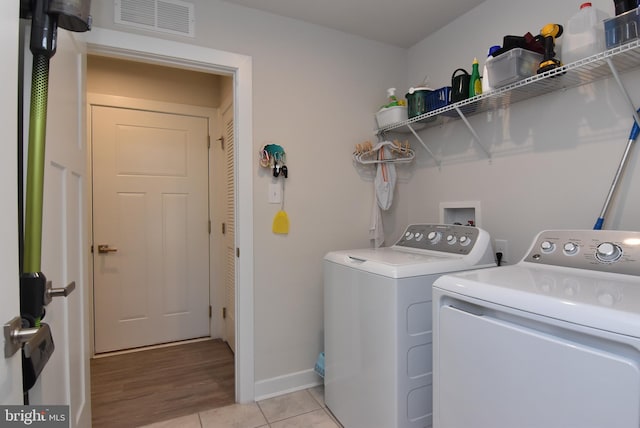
(367, 154)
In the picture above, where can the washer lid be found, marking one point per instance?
(399, 263)
(598, 300)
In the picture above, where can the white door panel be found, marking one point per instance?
(150, 206)
(65, 378)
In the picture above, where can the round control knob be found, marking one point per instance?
(570, 248)
(419, 237)
(547, 246)
(451, 239)
(608, 252)
(434, 237)
(465, 240)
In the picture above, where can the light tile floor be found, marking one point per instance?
(301, 409)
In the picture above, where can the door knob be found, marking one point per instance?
(105, 248)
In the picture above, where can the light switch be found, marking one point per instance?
(275, 193)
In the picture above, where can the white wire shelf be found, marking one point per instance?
(606, 64)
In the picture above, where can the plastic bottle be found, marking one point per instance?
(486, 87)
(584, 34)
(391, 96)
(475, 84)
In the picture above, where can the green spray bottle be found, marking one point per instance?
(475, 84)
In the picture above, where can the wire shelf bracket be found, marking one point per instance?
(473, 132)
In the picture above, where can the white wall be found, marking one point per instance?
(554, 156)
(315, 92)
(110, 76)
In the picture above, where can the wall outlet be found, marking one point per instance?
(501, 246)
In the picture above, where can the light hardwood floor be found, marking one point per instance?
(140, 388)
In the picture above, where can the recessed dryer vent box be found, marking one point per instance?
(464, 213)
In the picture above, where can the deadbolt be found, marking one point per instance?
(105, 248)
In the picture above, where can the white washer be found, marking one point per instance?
(551, 342)
(378, 318)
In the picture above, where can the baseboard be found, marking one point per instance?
(285, 384)
(147, 348)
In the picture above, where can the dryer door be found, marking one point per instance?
(502, 370)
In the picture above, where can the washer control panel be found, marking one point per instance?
(601, 250)
(439, 237)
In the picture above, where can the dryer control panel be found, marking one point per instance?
(440, 237)
(613, 251)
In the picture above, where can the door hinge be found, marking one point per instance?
(208, 141)
(237, 252)
(210, 311)
(209, 227)
(92, 249)
(221, 139)
(224, 228)
(224, 313)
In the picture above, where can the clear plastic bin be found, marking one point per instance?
(511, 66)
(622, 28)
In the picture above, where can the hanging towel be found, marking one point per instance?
(385, 180)
(376, 231)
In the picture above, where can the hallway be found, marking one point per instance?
(138, 388)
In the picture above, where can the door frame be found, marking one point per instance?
(191, 57)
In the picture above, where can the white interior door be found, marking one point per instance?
(151, 208)
(230, 222)
(65, 378)
(10, 369)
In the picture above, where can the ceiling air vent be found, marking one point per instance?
(167, 16)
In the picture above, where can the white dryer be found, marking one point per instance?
(378, 323)
(551, 342)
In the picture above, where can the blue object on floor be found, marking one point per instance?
(319, 368)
